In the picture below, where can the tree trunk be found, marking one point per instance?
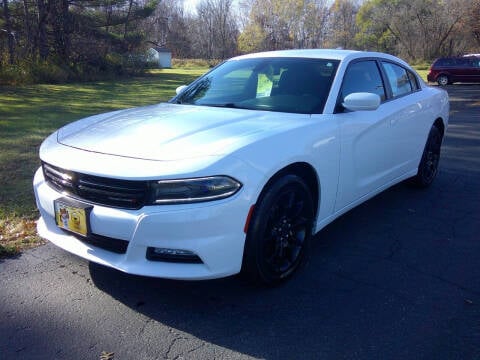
(59, 21)
(125, 29)
(28, 29)
(10, 35)
(42, 29)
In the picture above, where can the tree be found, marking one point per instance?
(73, 34)
(420, 29)
(168, 27)
(283, 24)
(343, 25)
(214, 29)
(470, 25)
(373, 32)
(9, 32)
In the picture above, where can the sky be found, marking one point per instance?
(190, 5)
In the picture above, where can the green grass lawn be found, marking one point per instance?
(423, 73)
(29, 113)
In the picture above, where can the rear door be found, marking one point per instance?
(473, 69)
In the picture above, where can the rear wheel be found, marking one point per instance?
(442, 80)
(428, 167)
(280, 231)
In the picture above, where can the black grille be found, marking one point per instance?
(114, 245)
(124, 194)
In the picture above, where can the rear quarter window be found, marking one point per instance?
(401, 80)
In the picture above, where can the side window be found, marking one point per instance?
(398, 78)
(463, 62)
(413, 81)
(363, 76)
(473, 62)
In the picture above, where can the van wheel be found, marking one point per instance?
(442, 80)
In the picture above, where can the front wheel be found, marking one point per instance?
(280, 231)
(428, 167)
(442, 80)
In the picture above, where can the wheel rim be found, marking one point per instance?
(432, 157)
(443, 80)
(288, 225)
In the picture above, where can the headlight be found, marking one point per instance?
(193, 190)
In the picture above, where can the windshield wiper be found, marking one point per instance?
(225, 105)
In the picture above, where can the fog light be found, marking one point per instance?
(172, 255)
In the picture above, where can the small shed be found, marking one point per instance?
(160, 56)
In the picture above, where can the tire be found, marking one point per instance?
(280, 231)
(428, 167)
(443, 80)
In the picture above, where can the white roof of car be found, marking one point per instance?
(331, 54)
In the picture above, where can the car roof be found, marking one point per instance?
(331, 54)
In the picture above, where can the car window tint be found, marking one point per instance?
(398, 79)
(445, 62)
(363, 76)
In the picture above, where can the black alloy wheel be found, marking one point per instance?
(428, 167)
(280, 231)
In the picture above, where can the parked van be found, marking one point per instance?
(450, 70)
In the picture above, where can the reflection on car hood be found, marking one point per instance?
(170, 131)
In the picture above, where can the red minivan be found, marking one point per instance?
(449, 70)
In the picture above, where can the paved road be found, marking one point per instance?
(396, 278)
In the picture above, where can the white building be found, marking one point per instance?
(161, 56)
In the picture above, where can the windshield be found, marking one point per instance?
(294, 85)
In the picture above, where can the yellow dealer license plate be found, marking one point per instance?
(72, 216)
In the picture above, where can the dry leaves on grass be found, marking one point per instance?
(17, 234)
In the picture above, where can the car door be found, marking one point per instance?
(464, 69)
(367, 161)
(473, 69)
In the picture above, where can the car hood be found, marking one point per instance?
(171, 131)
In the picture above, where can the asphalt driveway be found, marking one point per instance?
(396, 278)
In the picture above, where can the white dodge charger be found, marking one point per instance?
(242, 167)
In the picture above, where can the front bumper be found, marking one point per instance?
(213, 231)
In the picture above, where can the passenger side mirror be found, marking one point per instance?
(179, 89)
(361, 101)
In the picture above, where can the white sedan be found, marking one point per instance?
(242, 167)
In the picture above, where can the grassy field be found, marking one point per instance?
(422, 72)
(29, 113)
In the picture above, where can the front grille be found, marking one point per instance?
(125, 194)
